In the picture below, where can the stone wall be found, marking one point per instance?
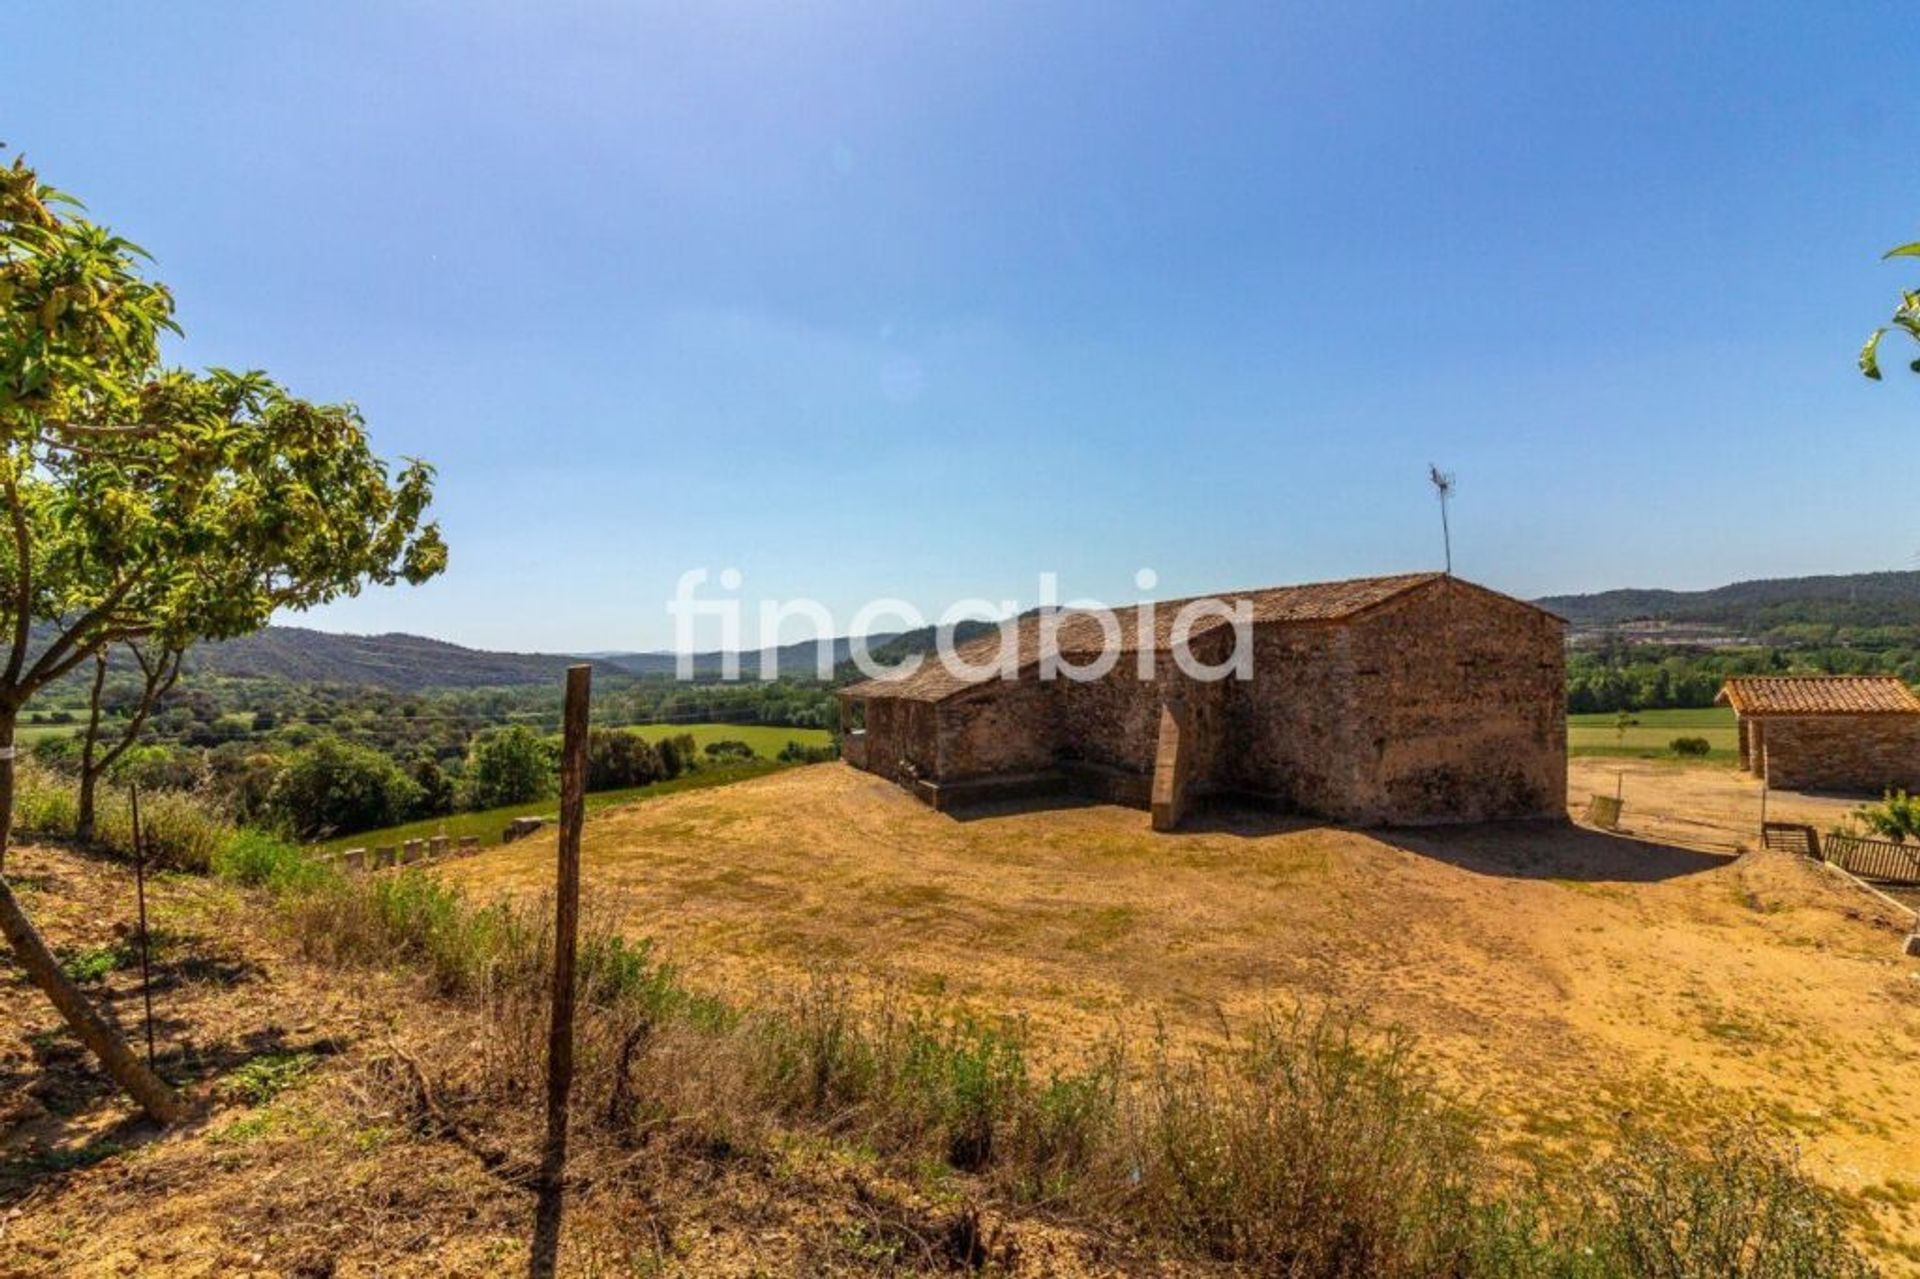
(1286, 735)
(899, 737)
(1003, 727)
(1460, 699)
(1113, 721)
(1868, 754)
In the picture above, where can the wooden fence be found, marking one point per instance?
(1879, 860)
(1791, 837)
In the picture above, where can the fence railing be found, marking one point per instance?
(1880, 860)
(1791, 837)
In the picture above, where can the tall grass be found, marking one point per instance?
(183, 831)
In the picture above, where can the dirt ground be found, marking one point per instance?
(313, 1154)
(1560, 975)
(1699, 805)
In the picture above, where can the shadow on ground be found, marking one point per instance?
(1553, 850)
(1540, 849)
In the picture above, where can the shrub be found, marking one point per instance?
(678, 755)
(1743, 1208)
(728, 749)
(257, 859)
(795, 753)
(509, 766)
(1895, 817)
(1695, 746)
(333, 787)
(617, 759)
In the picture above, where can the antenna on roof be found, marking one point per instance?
(1442, 482)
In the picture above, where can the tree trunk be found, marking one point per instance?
(98, 1034)
(8, 714)
(89, 748)
(83, 811)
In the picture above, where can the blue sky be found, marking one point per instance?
(924, 301)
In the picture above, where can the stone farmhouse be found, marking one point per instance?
(1387, 700)
(1827, 732)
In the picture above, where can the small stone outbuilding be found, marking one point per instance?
(1827, 732)
(1410, 699)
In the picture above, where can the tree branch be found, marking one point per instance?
(160, 676)
(51, 665)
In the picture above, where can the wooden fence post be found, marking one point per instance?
(573, 806)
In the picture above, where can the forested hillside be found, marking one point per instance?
(1859, 600)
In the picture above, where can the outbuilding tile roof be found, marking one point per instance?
(1079, 635)
(1819, 695)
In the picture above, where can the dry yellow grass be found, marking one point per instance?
(1561, 975)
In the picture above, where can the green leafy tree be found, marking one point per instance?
(436, 791)
(1906, 318)
(618, 758)
(333, 787)
(509, 766)
(152, 504)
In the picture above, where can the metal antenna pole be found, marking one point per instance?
(1442, 482)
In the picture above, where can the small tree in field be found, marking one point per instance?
(155, 506)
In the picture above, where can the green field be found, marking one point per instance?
(1648, 734)
(489, 823)
(26, 734)
(766, 739)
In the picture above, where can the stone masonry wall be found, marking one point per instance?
(1003, 727)
(1287, 734)
(1869, 754)
(900, 741)
(1113, 721)
(1461, 711)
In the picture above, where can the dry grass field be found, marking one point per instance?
(1561, 976)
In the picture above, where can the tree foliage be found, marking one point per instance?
(510, 766)
(334, 787)
(1906, 318)
(148, 502)
(151, 503)
(618, 758)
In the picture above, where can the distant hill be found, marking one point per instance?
(410, 663)
(404, 663)
(790, 659)
(1849, 599)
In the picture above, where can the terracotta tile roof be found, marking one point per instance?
(1819, 695)
(1079, 635)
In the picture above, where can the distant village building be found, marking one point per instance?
(1827, 732)
(1410, 699)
